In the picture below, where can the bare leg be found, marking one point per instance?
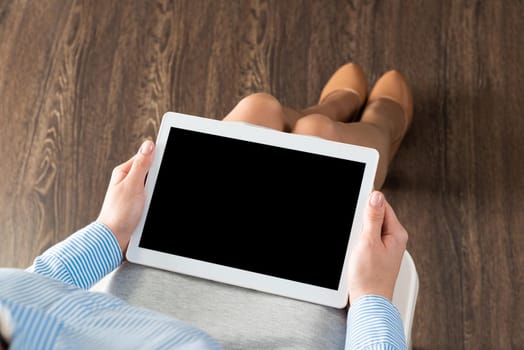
(265, 110)
(326, 121)
(382, 127)
(340, 99)
(382, 123)
(385, 120)
(340, 106)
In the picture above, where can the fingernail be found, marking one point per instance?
(376, 199)
(146, 147)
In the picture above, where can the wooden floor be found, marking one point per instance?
(83, 83)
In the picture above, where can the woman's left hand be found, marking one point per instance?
(125, 197)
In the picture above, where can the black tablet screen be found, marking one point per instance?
(255, 207)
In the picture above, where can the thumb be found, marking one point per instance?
(374, 216)
(141, 163)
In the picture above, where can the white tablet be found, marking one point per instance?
(254, 207)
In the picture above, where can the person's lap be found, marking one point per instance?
(238, 318)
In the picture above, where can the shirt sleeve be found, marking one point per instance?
(82, 259)
(374, 323)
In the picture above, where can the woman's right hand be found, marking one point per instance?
(375, 260)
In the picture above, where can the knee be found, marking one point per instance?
(261, 109)
(316, 125)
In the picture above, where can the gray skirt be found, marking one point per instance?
(237, 317)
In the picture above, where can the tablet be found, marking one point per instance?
(254, 207)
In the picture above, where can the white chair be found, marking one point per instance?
(406, 293)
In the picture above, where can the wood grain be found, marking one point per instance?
(82, 83)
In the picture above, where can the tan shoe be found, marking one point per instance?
(393, 86)
(349, 77)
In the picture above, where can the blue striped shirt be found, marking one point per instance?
(51, 307)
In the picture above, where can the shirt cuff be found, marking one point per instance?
(82, 259)
(374, 323)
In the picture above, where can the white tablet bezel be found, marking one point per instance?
(269, 284)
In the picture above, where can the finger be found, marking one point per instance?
(393, 231)
(141, 164)
(374, 216)
(121, 171)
